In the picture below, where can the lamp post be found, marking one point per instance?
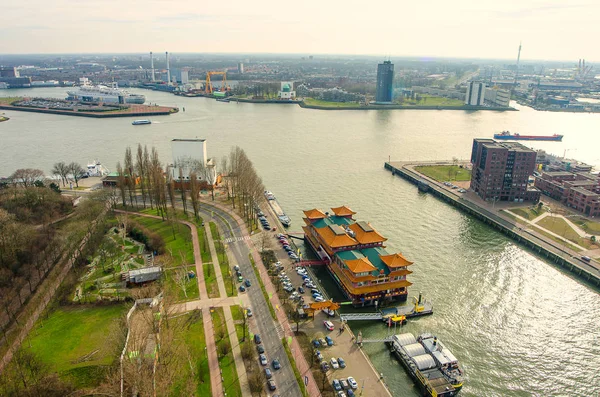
(362, 387)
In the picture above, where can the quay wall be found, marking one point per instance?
(552, 252)
(108, 114)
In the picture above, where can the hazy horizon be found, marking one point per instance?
(550, 30)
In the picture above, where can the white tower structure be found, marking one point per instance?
(152, 66)
(168, 69)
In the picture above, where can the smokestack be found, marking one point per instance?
(583, 66)
(152, 66)
(168, 69)
(579, 67)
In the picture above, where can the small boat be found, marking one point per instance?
(141, 122)
(506, 135)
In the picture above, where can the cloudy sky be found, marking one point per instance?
(549, 29)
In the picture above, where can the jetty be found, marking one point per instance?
(562, 256)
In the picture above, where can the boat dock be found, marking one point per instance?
(566, 258)
(421, 307)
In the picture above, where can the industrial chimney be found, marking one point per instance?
(168, 69)
(152, 65)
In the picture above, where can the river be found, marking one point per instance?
(519, 325)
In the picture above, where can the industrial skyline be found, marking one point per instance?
(469, 30)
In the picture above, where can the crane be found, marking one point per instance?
(208, 88)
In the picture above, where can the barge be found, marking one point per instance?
(507, 136)
(283, 218)
(429, 363)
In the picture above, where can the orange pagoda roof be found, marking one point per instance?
(395, 261)
(335, 236)
(365, 234)
(360, 265)
(315, 214)
(343, 211)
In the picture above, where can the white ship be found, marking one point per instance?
(95, 168)
(106, 94)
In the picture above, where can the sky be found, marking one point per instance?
(549, 29)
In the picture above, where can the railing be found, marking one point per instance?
(361, 316)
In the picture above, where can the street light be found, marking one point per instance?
(362, 387)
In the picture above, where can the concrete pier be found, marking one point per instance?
(562, 256)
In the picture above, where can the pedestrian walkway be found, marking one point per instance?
(213, 302)
(300, 360)
(531, 223)
(243, 302)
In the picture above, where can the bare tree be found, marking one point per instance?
(141, 172)
(194, 193)
(61, 170)
(26, 177)
(131, 177)
(121, 182)
(182, 190)
(181, 279)
(76, 171)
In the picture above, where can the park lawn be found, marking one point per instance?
(191, 286)
(590, 227)
(443, 173)
(177, 238)
(231, 383)
(430, 100)
(528, 213)
(238, 317)
(210, 279)
(562, 228)
(70, 333)
(328, 104)
(226, 272)
(194, 338)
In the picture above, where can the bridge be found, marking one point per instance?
(305, 263)
(384, 340)
(360, 316)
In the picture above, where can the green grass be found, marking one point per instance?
(177, 237)
(231, 383)
(529, 213)
(540, 230)
(70, 333)
(191, 287)
(299, 378)
(223, 261)
(263, 289)
(430, 100)
(318, 102)
(210, 279)
(590, 227)
(562, 228)
(194, 338)
(443, 173)
(238, 316)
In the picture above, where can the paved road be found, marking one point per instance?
(270, 331)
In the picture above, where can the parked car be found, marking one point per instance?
(329, 340)
(289, 289)
(341, 362)
(260, 349)
(319, 355)
(301, 290)
(336, 385)
(352, 383)
(236, 268)
(319, 299)
(263, 359)
(324, 366)
(272, 385)
(344, 384)
(334, 363)
(316, 343)
(349, 393)
(323, 342)
(242, 288)
(341, 394)
(315, 291)
(257, 339)
(328, 325)
(247, 282)
(268, 373)
(315, 294)
(276, 364)
(249, 312)
(240, 279)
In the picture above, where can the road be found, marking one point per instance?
(269, 330)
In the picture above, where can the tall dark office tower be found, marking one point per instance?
(385, 80)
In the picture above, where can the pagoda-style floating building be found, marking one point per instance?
(356, 257)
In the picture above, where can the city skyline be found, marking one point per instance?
(548, 29)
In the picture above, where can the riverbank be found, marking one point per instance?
(72, 108)
(336, 106)
(490, 214)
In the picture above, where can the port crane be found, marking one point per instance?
(208, 87)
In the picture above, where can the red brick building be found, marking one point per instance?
(501, 171)
(578, 191)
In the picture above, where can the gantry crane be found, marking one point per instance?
(208, 88)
